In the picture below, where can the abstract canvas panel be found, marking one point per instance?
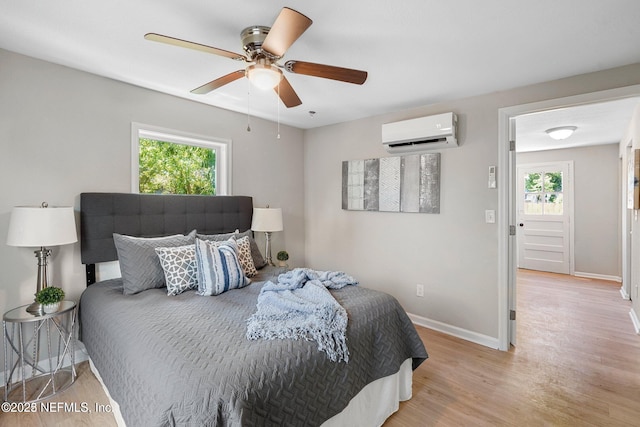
(355, 185)
(389, 184)
(392, 184)
(371, 184)
(429, 184)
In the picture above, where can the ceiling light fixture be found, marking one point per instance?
(562, 132)
(264, 76)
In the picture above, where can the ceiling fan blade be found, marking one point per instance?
(289, 25)
(327, 72)
(220, 81)
(196, 46)
(288, 96)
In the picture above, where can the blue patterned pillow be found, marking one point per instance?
(180, 268)
(258, 259)
(218, 267)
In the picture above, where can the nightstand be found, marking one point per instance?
(39, 359)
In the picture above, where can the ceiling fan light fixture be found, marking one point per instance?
(264, 76)
(562, 132)
(263, 47)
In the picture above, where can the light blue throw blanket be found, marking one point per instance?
(300, 306)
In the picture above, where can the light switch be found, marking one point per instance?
(490, 216)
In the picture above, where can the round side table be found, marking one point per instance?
(35, 351)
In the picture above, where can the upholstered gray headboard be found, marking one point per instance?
(149, 215)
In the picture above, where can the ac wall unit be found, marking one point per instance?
(421, 134)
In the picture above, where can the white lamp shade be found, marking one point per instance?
(267, 219)
(264, 76)
(32, 226)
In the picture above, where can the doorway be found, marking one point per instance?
(544, 198)
(507, 218)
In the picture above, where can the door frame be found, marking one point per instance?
(628, 216)
(570, 187)
(507, 203)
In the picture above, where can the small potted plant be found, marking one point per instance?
(50, 298)
(282, 256)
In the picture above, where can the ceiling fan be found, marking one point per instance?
(264, 47)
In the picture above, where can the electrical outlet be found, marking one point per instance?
(420, 290)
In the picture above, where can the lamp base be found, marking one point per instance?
(35, 309)
(268, 248)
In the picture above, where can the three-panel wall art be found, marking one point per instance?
(392, 184)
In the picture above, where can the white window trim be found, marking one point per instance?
(222, 146)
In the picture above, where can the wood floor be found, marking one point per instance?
(577, 363)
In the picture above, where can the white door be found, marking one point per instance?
(544, 217)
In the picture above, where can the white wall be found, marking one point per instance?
(454, 254)
(63, 132)
(597, 248)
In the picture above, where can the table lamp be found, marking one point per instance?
(267, 220)
(31, 226)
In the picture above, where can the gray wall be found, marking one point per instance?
(597, 248)
(63, 132)
(453, 254)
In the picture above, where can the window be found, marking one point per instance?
(173, 162)
(543, 193)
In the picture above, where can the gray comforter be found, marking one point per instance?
(185, 361)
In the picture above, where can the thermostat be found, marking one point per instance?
(492, 177)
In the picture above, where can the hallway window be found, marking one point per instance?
(543, 193)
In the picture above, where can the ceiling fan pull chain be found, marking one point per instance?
(278, 106)
(249, 107)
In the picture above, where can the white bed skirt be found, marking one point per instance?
(376, 401)
(115, 408)
(369, 408)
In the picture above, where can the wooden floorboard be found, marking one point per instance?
(577, 363)
(86, 405)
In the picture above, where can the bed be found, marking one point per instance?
(184, 360)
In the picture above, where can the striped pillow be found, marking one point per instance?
(218, 267)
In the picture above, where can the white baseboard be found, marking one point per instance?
(625, 295)
(635, 320)
(597, 276)
(80, 355)
(455, 331)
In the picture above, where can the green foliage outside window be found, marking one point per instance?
(543, 193)
(168, 168)
(552, 182)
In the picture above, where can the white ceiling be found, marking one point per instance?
(417, 52)
(597, 123)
